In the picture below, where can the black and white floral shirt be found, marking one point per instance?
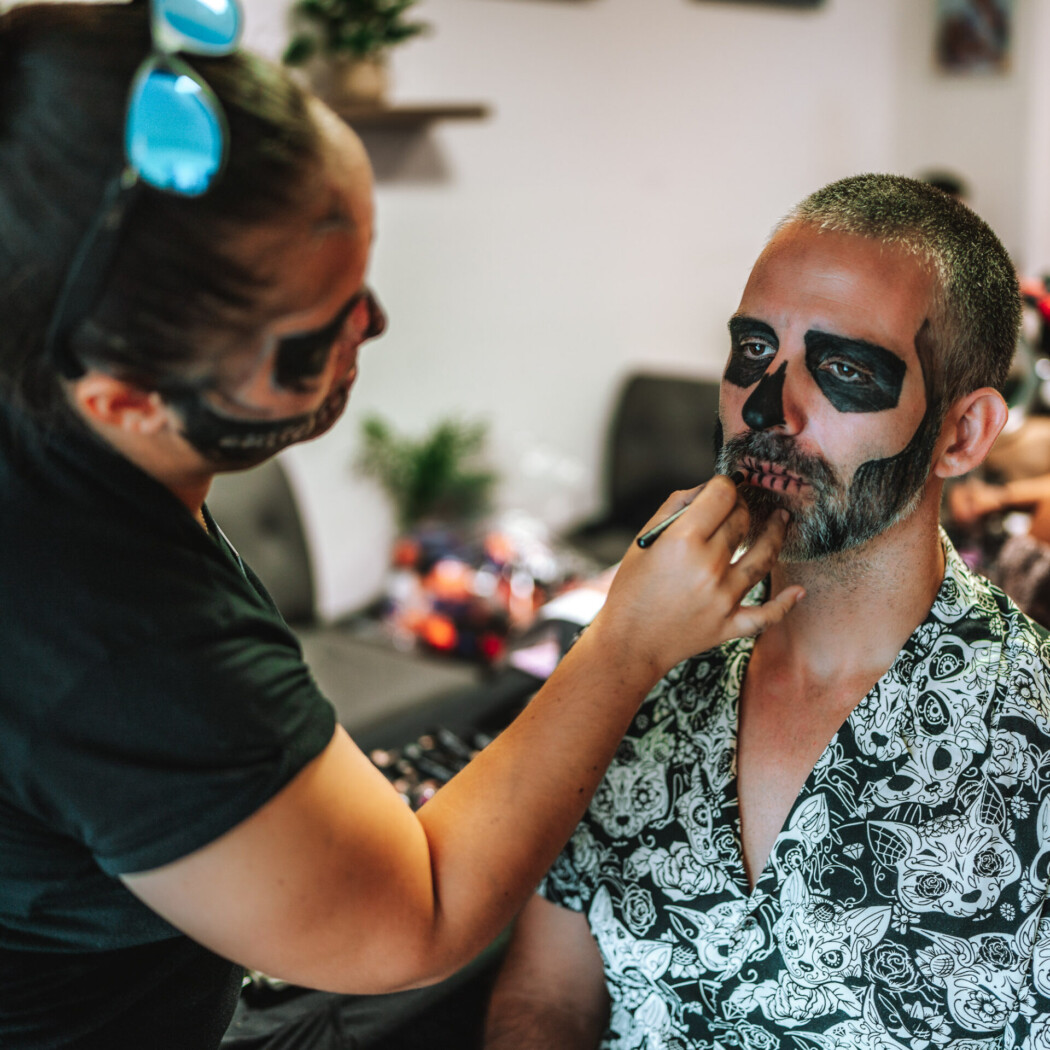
(903, 903)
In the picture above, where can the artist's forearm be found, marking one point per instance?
(497, 826)
(335, 884)
(1024, 492)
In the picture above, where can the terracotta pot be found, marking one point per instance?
(353, 81)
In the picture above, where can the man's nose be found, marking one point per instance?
(376, 318)
(764, 409)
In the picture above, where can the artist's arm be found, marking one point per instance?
(336, 884)
(550, 993)
(974, 499)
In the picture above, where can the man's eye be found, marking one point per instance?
(846, 372)
(755, 351)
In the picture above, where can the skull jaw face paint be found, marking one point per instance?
(230, 443)
(837, 518)
(233, 442)
(828, 517)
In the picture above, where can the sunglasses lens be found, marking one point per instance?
(175, 134)
(200, 27)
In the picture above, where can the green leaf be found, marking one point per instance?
(299, 49)
(437, 476)
(359, 27)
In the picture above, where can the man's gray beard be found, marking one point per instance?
(836, 518)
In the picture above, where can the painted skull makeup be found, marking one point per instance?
(854, 376)
(232, 443)
(839, 517)
(765, 407)
(235, 442)
(302, 357)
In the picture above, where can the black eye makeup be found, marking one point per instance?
(300, 358)
(855, 376)
(753, 345)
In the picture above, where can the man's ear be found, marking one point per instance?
(968, 432)
(108, 401)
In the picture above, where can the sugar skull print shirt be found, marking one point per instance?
(904, 902)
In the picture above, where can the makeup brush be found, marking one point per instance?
(647, 539)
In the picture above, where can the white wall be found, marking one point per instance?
(605, 217)
(980, 126)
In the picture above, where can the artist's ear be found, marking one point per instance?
(968, 432)
(111, 402)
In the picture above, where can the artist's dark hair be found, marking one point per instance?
(976, 311)
(178, 285)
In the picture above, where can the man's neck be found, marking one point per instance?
(860, 607)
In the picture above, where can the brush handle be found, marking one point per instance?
(647, 539)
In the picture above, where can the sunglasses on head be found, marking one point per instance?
(175, 140)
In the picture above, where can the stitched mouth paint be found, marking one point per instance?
(827, 516)
(231, 443)
(772, 476)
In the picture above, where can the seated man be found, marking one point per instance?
(836, 835)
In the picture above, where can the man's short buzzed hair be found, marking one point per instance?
(976, 314)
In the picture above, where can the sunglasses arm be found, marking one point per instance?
(84, 285)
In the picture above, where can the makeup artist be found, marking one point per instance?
(176, 800)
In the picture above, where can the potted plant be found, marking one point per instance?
(345, 43)
(437, 478)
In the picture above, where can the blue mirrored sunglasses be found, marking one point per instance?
(175, 140)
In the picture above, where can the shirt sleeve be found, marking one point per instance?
(160, 750)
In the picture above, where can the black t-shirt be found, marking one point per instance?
(151, 698)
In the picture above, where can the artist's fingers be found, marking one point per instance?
(752, 620)
(712, 506)
(675, 502)
(753, 566)
(734, 529)
(757, 561)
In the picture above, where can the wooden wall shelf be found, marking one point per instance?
(410, 116)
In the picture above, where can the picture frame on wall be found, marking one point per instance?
(772, 3)
(973, 36)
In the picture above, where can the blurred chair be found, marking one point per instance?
(256, 509)
(381, 694)
(661, 439)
